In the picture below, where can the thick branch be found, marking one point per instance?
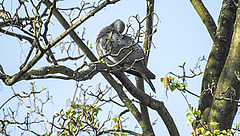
(223, 111)
(19, 36)
(217, 55)
(149, 28)
(146, 125)
(69, 29)
(15, 78)
(66, 73)
(40, 54)
(157, 106)
(113, 131)
(205, 17)
(152, 103)
(91, 56)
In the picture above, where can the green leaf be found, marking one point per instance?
(189, 121)
(67, 113)
(73, 123)
(124, 134)
(216, 131)
(189, 115)
(184, 84)
(171, 78)
(155, 30)
(203, 130)
(161, 80)
(90, 107)
(73, 114)
(213, 123)
(224, 132)
(115, 119)
(44, 88)
(96, 110)
(229, 131)
(73, 106)
(80, 106)
(172, 87)
(197, 113)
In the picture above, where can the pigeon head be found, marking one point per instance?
(118, 26)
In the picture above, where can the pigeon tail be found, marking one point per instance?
(139, 70)
(150, 84)
(149, 74)
(146, 72)
(120, 49)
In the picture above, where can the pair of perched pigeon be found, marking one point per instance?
(120, 50)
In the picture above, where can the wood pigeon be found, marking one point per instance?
(120, 50)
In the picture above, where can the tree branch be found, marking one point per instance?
(168, 119)
(159, 107)
(227, 109)
(217, 56)
(146, 125)
(149, 101)
(19, 36)
(49, 71)
(69, 28)
(108, 77)
(113, 131)
(205, 17)
(149, 28)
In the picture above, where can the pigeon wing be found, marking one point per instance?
(121, 50)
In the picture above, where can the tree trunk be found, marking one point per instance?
(217, 57)
(223, 111)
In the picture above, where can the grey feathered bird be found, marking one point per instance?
(118, 49)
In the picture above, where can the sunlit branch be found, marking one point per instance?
(205, 17)
(89, 54)
(113, 131)
(106, 100)
(19, 36)
(149, 101)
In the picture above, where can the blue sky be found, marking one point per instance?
(181, 36)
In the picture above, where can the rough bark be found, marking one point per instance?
(217, 57)
(223, 111)
(146, 126)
